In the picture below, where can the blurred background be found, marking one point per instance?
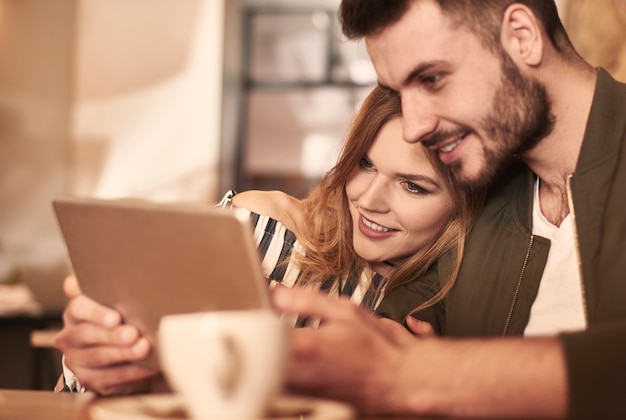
(179, 100)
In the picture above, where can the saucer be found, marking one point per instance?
(169, 406)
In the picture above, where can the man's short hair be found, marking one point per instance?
(360, 18)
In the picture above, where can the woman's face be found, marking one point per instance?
(398, 201)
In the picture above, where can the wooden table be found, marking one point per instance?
(37, 405)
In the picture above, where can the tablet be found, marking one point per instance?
(150, 259)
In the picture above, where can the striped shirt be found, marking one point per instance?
(276, 243)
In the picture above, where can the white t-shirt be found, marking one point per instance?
(559, 303)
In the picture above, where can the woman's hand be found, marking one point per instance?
(99, 348)
(420, 328)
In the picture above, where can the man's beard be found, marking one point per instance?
(519, 118)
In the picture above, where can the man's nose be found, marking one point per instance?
(418, 118)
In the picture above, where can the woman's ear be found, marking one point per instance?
(522, 35)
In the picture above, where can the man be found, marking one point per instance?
(485, 83)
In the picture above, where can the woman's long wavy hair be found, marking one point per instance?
(328, 250)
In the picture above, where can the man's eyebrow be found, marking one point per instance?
(414, 74)
(418, 71)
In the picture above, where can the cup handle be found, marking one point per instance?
(229, 366)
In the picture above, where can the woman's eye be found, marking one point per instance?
(414, 188)
(365, 163)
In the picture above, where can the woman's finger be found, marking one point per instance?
(419, 327)
(71, 287)
(83, 309)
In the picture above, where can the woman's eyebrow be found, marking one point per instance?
(419, 177)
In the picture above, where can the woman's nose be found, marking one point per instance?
(375, 196)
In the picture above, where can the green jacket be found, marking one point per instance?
(503, 263)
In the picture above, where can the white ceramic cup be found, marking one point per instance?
(224, 364)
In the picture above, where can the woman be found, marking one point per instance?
(379, 218)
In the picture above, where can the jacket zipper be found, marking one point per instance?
(570, 203)
(518, 287)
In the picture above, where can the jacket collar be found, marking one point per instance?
(606, 126)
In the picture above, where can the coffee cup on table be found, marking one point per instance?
(224, 364)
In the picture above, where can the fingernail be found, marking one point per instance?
(127, 335)
(281, 296)
(111, 319)
(141, 348)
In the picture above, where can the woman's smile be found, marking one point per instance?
(373, 230)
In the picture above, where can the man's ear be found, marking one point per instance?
(522, 35)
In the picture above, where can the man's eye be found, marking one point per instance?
(365, 163)
(431, 80)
